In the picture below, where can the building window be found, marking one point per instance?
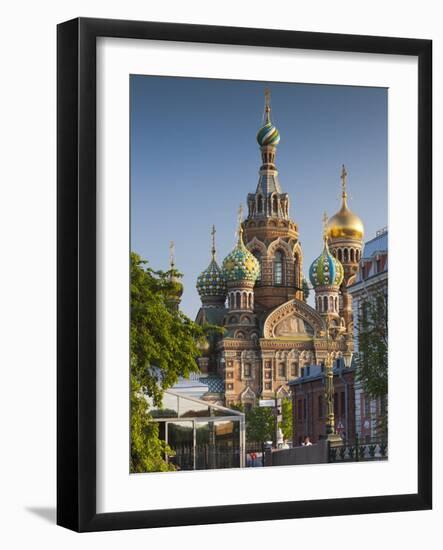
(260, 204)
(278, 268)
(294, 368)
(282, 370)
(247, 370)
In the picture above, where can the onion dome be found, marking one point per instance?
(240, 264)
(268, 133)
(345, 224)
(211, 282)
(175, 287)
(326, 270)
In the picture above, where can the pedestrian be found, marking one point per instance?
(306, 441)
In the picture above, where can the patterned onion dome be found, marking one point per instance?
(240, 264)
(211, 282)
(268, 135)
(326, 270)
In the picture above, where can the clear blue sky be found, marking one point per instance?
(194, 158)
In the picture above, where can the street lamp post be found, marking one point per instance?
(334, 439)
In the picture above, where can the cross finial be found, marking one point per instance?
(240, 228)
(268, 105)
(171, 255)
(213, 242)
(325, 226)
(343, 176)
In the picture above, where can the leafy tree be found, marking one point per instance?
(286, 422)
(148, 451)
(164, 346)
(372, 358)
(260, 424)
(164, 342)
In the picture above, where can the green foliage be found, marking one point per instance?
(164, 342)
(148, 451)
(164, 346)
(260, 423)
(372, 359)
(286, 422)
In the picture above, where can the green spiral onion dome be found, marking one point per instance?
(211, 282)
(268, 135)
(240, 264)
(326, 270)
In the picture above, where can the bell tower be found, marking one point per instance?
(270, 234)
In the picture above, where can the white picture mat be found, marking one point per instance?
(116, 489)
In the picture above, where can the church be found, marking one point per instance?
(258, 294)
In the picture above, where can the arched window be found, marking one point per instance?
(260, 204)
(345, 255)
(340, 255)
(247, 370)
(325, 303)
(331, 303)
(237, 298)
(282, 370)
(278, 268)
(294, 369)
(336, 303)
(275, 204)
(352, 255)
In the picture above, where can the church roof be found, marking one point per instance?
(269, 183)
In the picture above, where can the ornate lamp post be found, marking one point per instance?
(331, 435)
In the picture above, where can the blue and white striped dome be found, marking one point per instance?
(326, 270)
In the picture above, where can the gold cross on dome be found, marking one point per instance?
(239, 222)
(343, 176)
(171, 254)
(325, 224)
(213, 241)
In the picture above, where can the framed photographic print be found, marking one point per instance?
(244, 274)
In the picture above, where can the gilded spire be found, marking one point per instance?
(213, 251)
(267, 106)
(343, 177)
(325, 227)
(171, 255)
(239, 225)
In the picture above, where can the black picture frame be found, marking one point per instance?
(76, 265)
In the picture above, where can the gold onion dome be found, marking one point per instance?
(345, 224)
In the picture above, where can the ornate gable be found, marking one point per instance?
(293, 319)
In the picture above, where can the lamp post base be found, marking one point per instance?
(334, 440)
